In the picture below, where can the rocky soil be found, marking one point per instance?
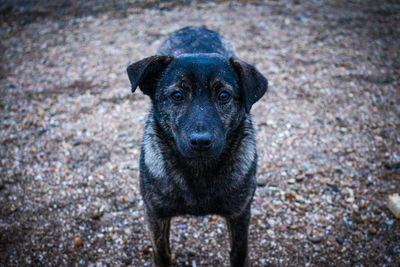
(328, 132)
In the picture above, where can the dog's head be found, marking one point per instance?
(198, 99)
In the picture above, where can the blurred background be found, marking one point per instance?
(328, 131)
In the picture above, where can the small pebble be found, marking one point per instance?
(191, 252)
(181, 226)
(78, 242)
(316, 239)
(340, 240)
(299, 178)
(372, 231)
(261, 182)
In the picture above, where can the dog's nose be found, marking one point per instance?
(200, 141)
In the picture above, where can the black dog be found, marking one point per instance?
(198, 154)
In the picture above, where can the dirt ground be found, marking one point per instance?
(328, 132)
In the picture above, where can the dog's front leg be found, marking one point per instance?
(238, 228)
(159, 228)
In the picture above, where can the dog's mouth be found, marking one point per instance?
(202, 156)
(195, 155)
(202, 162)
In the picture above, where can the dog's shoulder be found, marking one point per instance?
(152, 155)
(246, 154)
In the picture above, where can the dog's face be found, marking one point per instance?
(198, 99)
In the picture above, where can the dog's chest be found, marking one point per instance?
(201, 199)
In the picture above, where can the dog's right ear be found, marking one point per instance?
(146, 72)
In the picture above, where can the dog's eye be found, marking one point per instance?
(177, 96)
(224, 96)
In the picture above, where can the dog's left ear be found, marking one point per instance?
(252, 83)
(146, 72)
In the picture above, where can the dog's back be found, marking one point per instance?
(196, 40)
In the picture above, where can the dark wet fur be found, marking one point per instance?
(191, 40)
(176, 178)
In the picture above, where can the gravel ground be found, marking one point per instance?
(328, 134)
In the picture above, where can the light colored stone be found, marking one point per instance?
(393, 204)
